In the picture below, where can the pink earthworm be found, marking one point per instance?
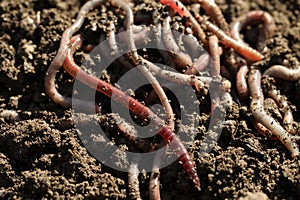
(199, 64)
(282, 72)
(257, 109)
(136, 107)
(283, 105)
(241, 82)
(182, 59)
(254, 17)
(61, 55)
(215, 69)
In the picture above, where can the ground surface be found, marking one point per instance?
(41, 154)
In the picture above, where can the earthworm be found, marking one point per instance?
(254, 17)
(154, 184)
(136, 107)
(61, 55)
(282, 72)
(257, 109)
(241, 48)
(215, 69)
(138, 60)
(282, 103)
(192, 45)
(133, 181)
(263, 130)
(197, 81)
(183, 11)
(199, 64)
(130, 133)
(241, 82)
(182, 59)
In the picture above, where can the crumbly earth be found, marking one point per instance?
(42, 156)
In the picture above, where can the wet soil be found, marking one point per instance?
(42, 156)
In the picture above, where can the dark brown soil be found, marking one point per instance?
(41, 155)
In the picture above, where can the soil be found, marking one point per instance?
(42, 156)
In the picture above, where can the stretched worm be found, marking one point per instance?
(257, 109)
(136, 107)
(241, 48)
(182, 59)
(61, 55)
(254, 17)
(282, 72)
(215, 69)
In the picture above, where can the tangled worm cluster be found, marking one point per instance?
(217, 37)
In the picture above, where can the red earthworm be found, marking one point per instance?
(254, 17)
(183, 11)
(260, 115)
(242, 49)
(282, 103)
(136, 107)
(61, 55)
(282, 72)
(241, 82)
(182, 59)
(133, 181)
